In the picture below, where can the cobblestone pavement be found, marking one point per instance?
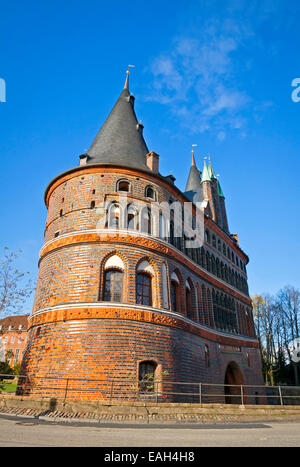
(90, 417)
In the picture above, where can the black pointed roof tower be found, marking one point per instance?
(120, 140)
(194, 180)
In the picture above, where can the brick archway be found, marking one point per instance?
(232, 384)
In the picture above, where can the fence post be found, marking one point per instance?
(280, 395)
(242, 395)
(66, 390)
(200, 392)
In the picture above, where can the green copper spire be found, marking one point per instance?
(205, 174)
(220, 192)
(211, 170)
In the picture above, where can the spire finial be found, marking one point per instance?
(193, 154)
(126, 86)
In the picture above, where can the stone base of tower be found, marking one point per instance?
(96, 353)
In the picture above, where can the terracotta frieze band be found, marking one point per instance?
(145, 242)
(127, 313)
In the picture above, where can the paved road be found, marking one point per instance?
(29, 432)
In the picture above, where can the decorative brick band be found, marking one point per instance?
(115, 312)
(145, 242)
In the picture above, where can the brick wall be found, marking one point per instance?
(70, 337)
(13, 338)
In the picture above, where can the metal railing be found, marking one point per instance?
(157, 391)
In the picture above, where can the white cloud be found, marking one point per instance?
(198, 78)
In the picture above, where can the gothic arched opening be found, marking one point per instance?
(233, 383)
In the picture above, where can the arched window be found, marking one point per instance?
(143, 289)
(113, 279)
(146, 220)
(174, 296)
(171, 233)
(114, 216)
(213, 264)
(150, 192)
(123, 185)
(224, 249)
(162, 226)
(188, 300)
(113, 286)
(93, 205)
(132, 218)
(226, 273)
(147, 370)
(208, 262)
(174, 289)
(214, 242)
(164, 283)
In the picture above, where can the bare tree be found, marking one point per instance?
(288, 308)
(265, 322)
(15, 286)
(277, 324)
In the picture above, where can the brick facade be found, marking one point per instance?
(75, 333)
(71, 331)
(13, 339)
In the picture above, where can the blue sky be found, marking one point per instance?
(213, 73)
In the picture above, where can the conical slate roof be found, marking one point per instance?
(120, 140)
(194, 180)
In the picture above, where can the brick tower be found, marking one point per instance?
(120, 297)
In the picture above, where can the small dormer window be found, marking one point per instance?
(123, 185)
(150, 192)
(11, 327)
